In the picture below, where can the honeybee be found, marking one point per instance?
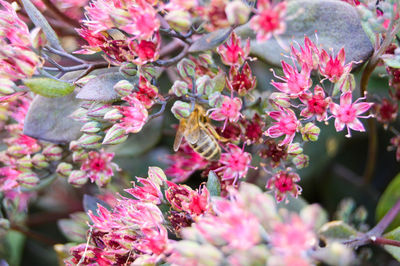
(200, 135)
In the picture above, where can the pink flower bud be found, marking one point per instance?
(345, 83)
(80, 115)
(77, 178)
(113, 115)
(28, 179)
(38, 38)
(6, 86)
(301, 161)
(310, 132)
(123, 88)
(187, 68)
(91, 127)
(90, 141)
(39, 161)
(52, 152)
(237, 12)
(280, 99)
(157, 175)
(74, 146)
(180, 88)
(115, 135)
(181, 109)
(179, 20)
(64, 169)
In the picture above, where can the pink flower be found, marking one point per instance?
(294, 83)
(228, 111)
(146, 92)
(316, 105)
(134, 116)
(145, 50)
(8, 178)
(232, 53)
(284, 183)
(269, 20)
(242, 81)
(184, 163)
(286, 124)
(309, 55)
(99, 167)
(333, 68)
(347, 113)
(292, 238)
(235, 163)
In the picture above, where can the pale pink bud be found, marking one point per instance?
(157, 175)
(77, 178)
(91, 127)
(6, 86)
(74, 146)
(123, 88)
(310, 132)
(80, 115)
(98, 110)
(24, 163)
(28, 179)
(280, 99)
(52, 152)
(64, 169)
(115, 135)
(179, 20)
(180, 88)
(82, 81)
(237, 12)
(181, 109)
(90, 141)
(39, 161)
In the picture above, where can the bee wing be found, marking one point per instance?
(192, 133)
(179, 136)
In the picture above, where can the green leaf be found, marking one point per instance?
(74, 229)
(337, 25)
(210, 41)
(213, 184)
(12, 247)
(393, 235)
(389, 197)
(101, 88)
(48, 87)
(337, 230)
(90, 203)
(40, 21)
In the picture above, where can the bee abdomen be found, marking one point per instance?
(207, 147)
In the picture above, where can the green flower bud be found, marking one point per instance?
(204, 85)
(187, 68)
(115, 135)
(180, 88)
(179, 20)
(64, 169)
(77, 178)
(80, 115)
(123, 88)
(237, 12)
(98, 110)
(90, 141)
(91, 127)
(28, 179)
(39, 161)
(79, 155)
(310, 132)
(300, 161)
(113, 115)
(52, 152)
(181, 109)
(82, 81)
(294, 148)
(24, 163)
(128, 69)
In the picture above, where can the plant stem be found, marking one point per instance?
(34, 235)
(174, 60)
(385, 241)
(60, 14)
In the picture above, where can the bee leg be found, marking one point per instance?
(215, 134)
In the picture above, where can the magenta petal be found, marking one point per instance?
(274, 132)
(356, 125)
(338, 125)
(345, 99)
(362, 107)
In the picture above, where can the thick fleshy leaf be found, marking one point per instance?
(213, 184)
(40, 21)
(12, 247)
(48, 119)
(48, 87)
(210, 41)
(392, 61)
(389, 197)
(74, 229)
(337, 25)
(393, 235)
(101, 88)
(337, 230)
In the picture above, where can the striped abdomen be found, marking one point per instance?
(207, 146)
